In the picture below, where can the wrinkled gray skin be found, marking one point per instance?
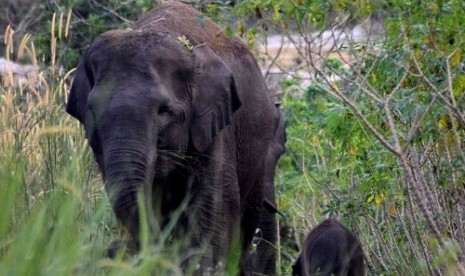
(173, 124)
(330, 249)
(266, 237)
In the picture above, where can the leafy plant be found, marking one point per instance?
(377, 138)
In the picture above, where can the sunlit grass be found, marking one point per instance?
(53, 219)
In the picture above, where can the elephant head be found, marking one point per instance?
(330, 249)
(148, 103)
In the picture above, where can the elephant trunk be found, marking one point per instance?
(129, 166)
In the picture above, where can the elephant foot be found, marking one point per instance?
(195, 263)
(118, 247)
(114, 248)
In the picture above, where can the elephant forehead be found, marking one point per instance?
(133, 38)
(141, 50)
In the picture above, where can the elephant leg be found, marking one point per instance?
(216, 226)
(264, 260)
(250, 221)
(266, 251)
(215, 220)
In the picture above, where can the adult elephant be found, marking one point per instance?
(178, 114)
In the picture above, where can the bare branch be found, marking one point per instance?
(450, 106)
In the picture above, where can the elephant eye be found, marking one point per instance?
(165, 115)
(170, 115)
(165, 110)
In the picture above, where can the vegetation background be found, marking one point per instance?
(375, 132)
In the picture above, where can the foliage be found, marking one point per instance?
(184, 41)
(375, 135)
(88, 19)
(377, 138)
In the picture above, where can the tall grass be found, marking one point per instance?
(49, 198)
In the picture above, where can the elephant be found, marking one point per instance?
(179, 119)
(266, 237)
(330, 249)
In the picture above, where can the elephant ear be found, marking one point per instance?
(214, 97)
(80, 89)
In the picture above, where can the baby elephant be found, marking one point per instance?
(330, 249)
